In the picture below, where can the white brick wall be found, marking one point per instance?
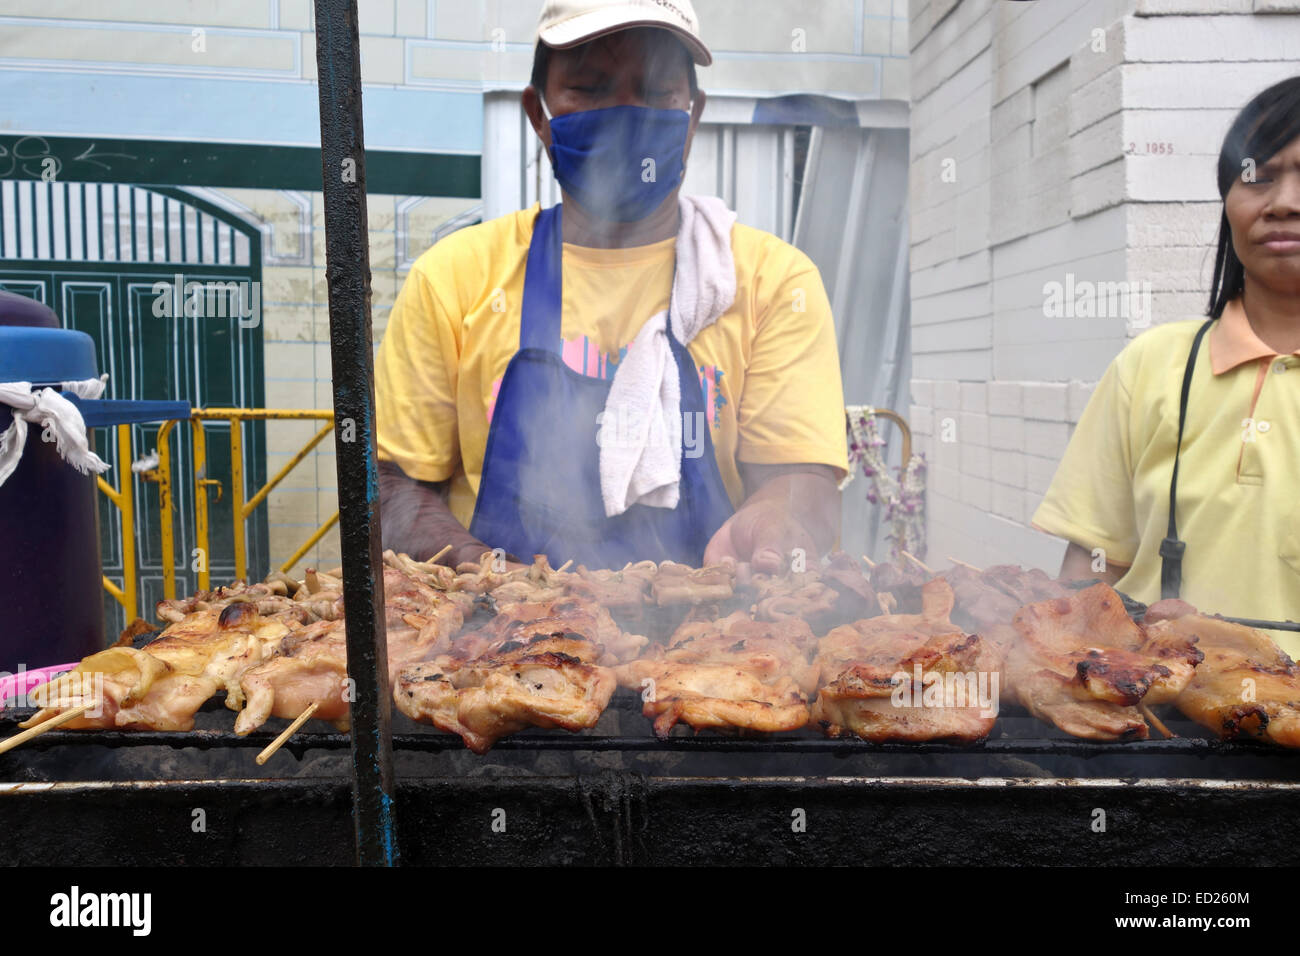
(1084, 137)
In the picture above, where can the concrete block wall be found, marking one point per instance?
(1057, 143)
(855, 48)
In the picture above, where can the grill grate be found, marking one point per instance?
(1017, 733)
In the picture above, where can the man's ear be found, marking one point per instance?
(696, 112)
(533, 107)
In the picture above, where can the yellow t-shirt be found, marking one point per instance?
(769, 367)
(1238, 507)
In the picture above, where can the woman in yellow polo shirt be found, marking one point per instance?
(1231, 387)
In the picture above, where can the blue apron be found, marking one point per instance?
(540, 490)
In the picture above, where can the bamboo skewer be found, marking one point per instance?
(434, 559)
(965, 565)
(289, 731)
(43, 727)
(564, 567)
(871, 565)
(918, 562)
(1155, 721)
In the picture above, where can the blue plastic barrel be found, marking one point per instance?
(50, 580)
(51, 585)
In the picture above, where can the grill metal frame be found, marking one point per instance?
(617, 818)
(1187, 800)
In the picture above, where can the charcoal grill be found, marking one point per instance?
(618, 795)
(615, 794)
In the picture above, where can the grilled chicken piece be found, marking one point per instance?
(1083, 664)
(719, 696)
(781, 600)
(980, 607)
(908, 677)
(162, 686)
(484, 577)
(312, 667)
(410, 603)
(624, 593)
(732, 674)
(824, 596)
(128, 689)
(904, 582)
(312, 664)
(856, 597)
(766, 649)
(566, 616)
(676, 584)
(540, 582)
(270, 600)
(547, 682)
(222, 645)
(1246, 687)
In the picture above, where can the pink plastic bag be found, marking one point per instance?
(13, 686)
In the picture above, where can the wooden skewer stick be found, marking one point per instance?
(964, 565)
(434, 559)
(289, 731)
(918, 562)
(1155, 721)
(44, 726)
(870, 564)
(564, 567)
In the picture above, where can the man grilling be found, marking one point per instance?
(628, 375)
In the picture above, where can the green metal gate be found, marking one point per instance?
(106, 257)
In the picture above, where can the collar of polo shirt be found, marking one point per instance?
(1233, 342)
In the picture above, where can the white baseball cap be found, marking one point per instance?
(568, 23)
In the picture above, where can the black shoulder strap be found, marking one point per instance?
(1171, 549)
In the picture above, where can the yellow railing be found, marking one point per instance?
(122, 496)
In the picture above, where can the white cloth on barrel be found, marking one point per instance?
(641, 429)
(49, 409)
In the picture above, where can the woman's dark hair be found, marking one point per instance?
(1261, 129)
(542, 67)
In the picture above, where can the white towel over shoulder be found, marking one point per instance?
(641, 429)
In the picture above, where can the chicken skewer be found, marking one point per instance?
(312, 664)
(288, 732)
(21, 738)
(919, 563)
(163, 686)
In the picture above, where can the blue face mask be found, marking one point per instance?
(620, 163)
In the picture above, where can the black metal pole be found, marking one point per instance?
(347, 258)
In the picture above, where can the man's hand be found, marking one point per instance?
(789, 507)
(763, 534)
(417, 522)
